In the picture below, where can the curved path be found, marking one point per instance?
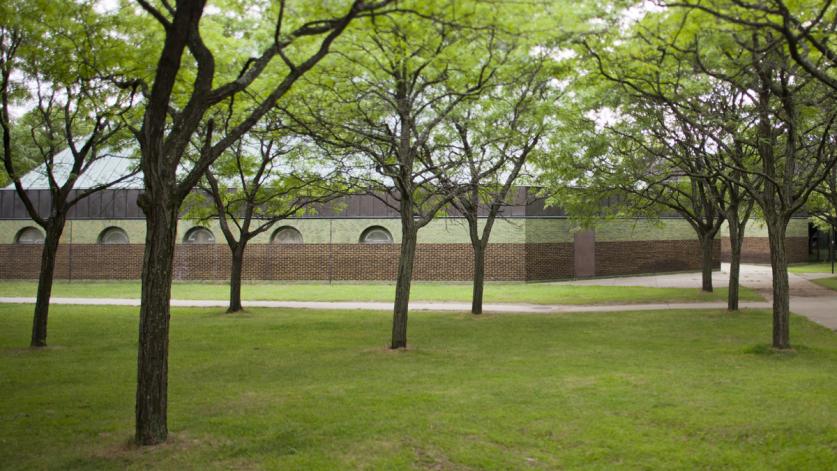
(808, 299)
(815, 302)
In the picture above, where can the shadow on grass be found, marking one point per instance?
(17, 351)
(768, 350)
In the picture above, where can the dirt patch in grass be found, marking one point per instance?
(432, 458)
(127, 450)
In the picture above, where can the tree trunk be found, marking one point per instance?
(45, 279)
(706, 246)
(152, 363)
(479, 278)
(781, 291)
(736, 240)
(402, 288)
(235, 277)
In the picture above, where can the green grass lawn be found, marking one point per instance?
(537, 293)
(822, 267)
(830, 283)
(285, 389)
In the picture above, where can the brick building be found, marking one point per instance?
(104, 239)
(104, 236)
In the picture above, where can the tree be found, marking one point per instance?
(807, 27)
(260, 181)
(717, 116)
(791, 115)
(380, 112)
(496, 135)
(624, 153)
(74, 120)
(188, 85)
(692, 124)
(711, 150)
(650, 165)
(786, 144)
(793, 144)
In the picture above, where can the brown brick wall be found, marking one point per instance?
(103, 262)
(757, 250)
(650, 256)
(549, 261)
(345, 262)
(22, 262)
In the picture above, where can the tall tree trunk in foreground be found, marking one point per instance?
(45, 279)
(479, 277)
(707, 249)
(152, 363)
(235, 276)
(402, 286)
(164, 146)
(736, 240)
(781, 290)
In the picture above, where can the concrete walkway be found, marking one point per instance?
(808, 299)
(757, 277)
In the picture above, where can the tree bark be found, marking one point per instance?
(152, 367)
(402, 287)
(736, 240)
(45, 279)
(235, 277)
(781, 291)
(479, 278)
(706, 245)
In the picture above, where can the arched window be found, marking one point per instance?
(29, 235)
(199, 235)
(113, 235)
(286, 235)
(376, 235)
